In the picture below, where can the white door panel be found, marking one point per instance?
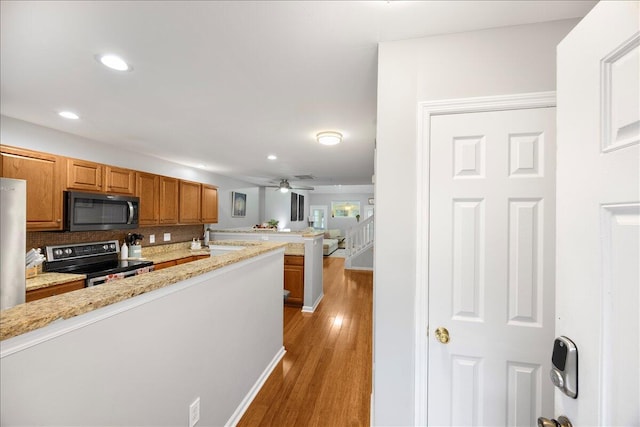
(491, 266)
(598, 217)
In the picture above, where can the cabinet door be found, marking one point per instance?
(120, 181)
(294, 279)
(168, 200)
(189, 202)
(43, 173)
(83, 175)
(148, 190)
(209, 204)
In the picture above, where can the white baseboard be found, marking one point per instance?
(307, 309)
(244, 405)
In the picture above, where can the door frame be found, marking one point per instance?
(425, 111)
(324, 208)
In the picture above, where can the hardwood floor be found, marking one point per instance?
(324, 378)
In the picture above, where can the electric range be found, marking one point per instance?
(98, 261)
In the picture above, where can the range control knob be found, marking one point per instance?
(68, 251)
(57, 252)
(105, 247)
(112, 246)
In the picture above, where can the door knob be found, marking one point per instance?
(562, 421)
(442, 335)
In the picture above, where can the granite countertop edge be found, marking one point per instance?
(33, 315)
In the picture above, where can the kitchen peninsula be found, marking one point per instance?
(303, 260)
(148, 345)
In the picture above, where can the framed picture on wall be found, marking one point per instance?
(238, 204)
(294, 206)
(300, 207)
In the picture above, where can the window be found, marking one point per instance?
(345, 209)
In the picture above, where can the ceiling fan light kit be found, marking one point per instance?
(329, 138)
(284, 186)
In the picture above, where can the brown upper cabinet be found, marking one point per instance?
(190, 197)
(148, 190)
(43, 173)
(90, 176)
(120, 181)
(84, 175)
(209, 206)
(168, 200)
(163, 200)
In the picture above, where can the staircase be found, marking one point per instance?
(359, 244)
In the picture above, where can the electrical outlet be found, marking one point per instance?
(152, 238)
(194, 412)
(167, 237)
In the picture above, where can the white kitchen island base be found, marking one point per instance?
(144, 360)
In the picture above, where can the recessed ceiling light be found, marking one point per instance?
(69, 115)
(201, 166)
(329, 138)
(114, 62)
(272, 157)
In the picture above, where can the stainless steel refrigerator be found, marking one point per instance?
(13, 229)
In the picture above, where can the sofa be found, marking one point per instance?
(331, 241)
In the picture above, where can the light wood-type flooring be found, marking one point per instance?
(324, 378)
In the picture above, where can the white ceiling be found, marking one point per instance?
(226, 83)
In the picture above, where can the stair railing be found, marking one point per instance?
(359, 238)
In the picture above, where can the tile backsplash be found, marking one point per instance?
(179, 233)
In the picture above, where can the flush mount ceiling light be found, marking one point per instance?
(114, 62)
(329, 138)
(69, 115)
(272, 157)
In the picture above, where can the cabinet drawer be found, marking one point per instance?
(166, 264)
(293, 260)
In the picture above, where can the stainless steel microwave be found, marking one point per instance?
(94, 211)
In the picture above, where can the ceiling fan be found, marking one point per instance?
(284, 186)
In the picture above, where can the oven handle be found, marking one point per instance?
(130, 212)
(102, 279)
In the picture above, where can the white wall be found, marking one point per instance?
(278, 206)
(323, 196)
(22, 134)
(499, 61)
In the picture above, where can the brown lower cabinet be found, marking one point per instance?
(166, 264)
(294, 279)
(50, 291)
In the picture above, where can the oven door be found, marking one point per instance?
(117, 276)
(88, 211)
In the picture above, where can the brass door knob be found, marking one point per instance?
(442, 335)
(562, 421)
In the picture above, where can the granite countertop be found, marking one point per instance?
(37, 314)
(44, 280)
(303, 233)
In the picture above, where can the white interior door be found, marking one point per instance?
(598, 239)
(491, 267)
